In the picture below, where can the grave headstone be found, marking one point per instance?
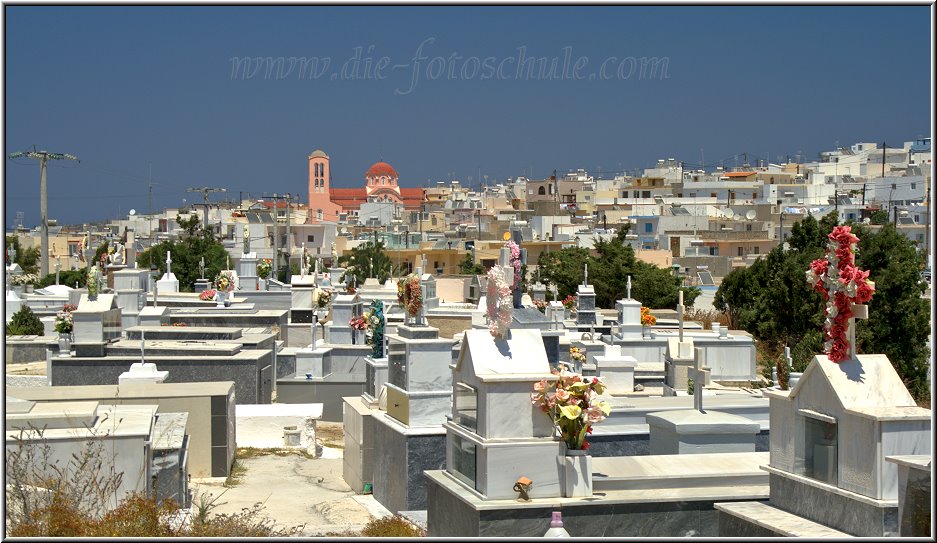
(95, 323)
(616, 370)
(338, 331)
(168, 282)
(585, 300)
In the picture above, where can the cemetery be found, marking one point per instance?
(629, 424)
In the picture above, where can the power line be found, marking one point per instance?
(205, 192)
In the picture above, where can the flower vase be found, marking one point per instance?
(578, 473)
(220, 298)
(792, 379)
(28, 288)
(645, 331)
(65, 344)
(18, 289)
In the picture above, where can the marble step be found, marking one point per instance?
(668, 471)
(776, 520)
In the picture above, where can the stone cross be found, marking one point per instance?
(505, 262)
(856, 310)
(334, 255)
(201, 267)
(370, 267)
(11, 253)
(318, 262)
(700, 375)
(168, 262)
(585, 274)
(555, 291)
(247, 239)
(58, 266)
(628, 286)
(680, 309)
(227, 261)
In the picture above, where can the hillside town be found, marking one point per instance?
(702, 222)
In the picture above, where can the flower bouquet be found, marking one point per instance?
(323, 298)
(577, 355)
(569, 302)
(264, 267)
(358, 323)
(24, 279)
(207, 294)
(541, 305)
(409, 294)
(646, 318)
(500, 302)
(225, 281)
(375, 335)
(515, 262)
(64, 323)
(93, 282)
(572, 402)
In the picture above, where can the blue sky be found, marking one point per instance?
(128, 87)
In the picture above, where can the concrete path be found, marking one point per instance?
(296, 490)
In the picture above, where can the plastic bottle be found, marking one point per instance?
(556, 526)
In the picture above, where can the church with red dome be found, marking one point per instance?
(327, 203)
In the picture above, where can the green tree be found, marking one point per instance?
(28, 259)
(195, 242)
(69, 278)
(609, 269)
(364, 258)
(772, 300)
(879, 216)
(468, 266)
(899, 317)
(25, 322)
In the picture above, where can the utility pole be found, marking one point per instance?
(149, 186)
(883, 159)
(205, 192)
(43, 157)
(289, 198)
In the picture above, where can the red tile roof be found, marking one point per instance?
(381, 168)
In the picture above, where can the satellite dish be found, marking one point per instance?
(728, 212)
(750, 214)
(133, 212)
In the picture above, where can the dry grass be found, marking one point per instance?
(706, 317)
(393, 526)
(243, 453)
(331, 434)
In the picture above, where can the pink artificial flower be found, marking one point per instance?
(562, 395)
(819, 266)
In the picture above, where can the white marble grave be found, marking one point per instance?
(616, 370)
(96, 321)
(496, 435)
